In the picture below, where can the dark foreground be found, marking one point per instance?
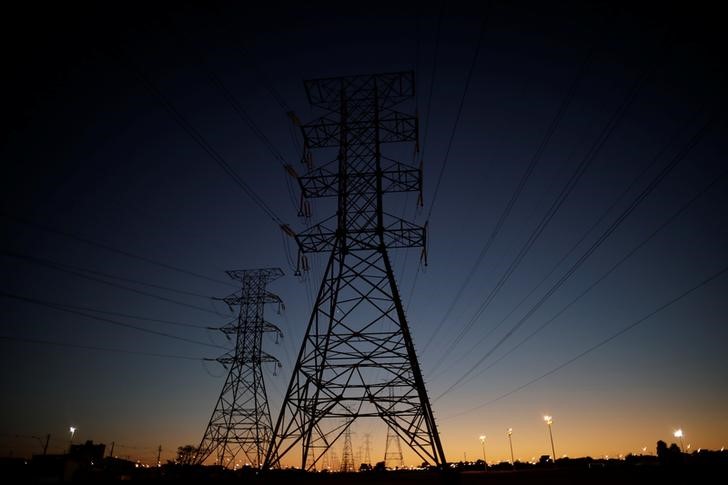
(684, 475)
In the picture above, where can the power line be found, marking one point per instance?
(242, 113)
(673, 136)
(588, 159)
(108, 275)
(455, 125)
(137, 317)
(243, 52)
(101, 349)
(614, 267)
(61, 268)
(608, 232)
(473, 63)
(107, 247)
(59, 307)
(599, 344)
(432, 78)
(118, 55)
(565, 103)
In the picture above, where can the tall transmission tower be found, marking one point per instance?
(357, 344)
(241, 420)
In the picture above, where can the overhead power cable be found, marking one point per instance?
(601, 343)
(55, 306)
(588, 159)
(112, 249)
(608, 232)
(141, 318)
(469, 77)
(102, 274)
(119, 56)
(433, 74)
(565, 103)
(58, 267)
(93, 347)
(611, 270)
(673, 136)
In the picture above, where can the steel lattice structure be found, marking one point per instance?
(357, 345)
(241, 420)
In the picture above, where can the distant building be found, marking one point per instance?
(78, 462)
(88, 452)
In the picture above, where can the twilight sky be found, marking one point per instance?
(616, 114)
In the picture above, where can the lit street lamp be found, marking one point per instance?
(72, 429)
(510, 443)
(550, 420)
(482, 444)
(679, 434)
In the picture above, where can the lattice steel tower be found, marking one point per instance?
(241, 420)
(357, 344)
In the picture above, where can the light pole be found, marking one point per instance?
(482, 444)
(679, 434)
(72, 430)
(510, 443)
(550, 420)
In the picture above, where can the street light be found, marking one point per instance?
(482, 444)
(72, 429)
(679, 434)
(510, 443)
(549, 420)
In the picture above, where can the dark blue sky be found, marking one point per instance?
(88, 149)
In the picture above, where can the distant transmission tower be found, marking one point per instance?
(367, 449)
(241, 420)
(358, 327)
(347, 457)
(393, 451)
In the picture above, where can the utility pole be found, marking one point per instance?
(357, 346)
(241, 419)
(510, 443)
(45, 446)
(111, 452)
(159, 456)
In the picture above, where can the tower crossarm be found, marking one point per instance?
(398, 233)
(394, 127)
(396, 177)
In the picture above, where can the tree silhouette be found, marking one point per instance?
(668, 456)
(186, 454)
(661, 450)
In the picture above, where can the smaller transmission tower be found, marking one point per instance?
(393, 451)
(367, 450)
(241, 420)
(347, 458)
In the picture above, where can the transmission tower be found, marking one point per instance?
(393, 451)
(241, 420)
(367, 450)
(357, 344)
(347, 457)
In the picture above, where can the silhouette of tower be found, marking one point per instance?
(367, 450)
(393, 451)
(241, 420)
(347, 457)
(358, 330)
